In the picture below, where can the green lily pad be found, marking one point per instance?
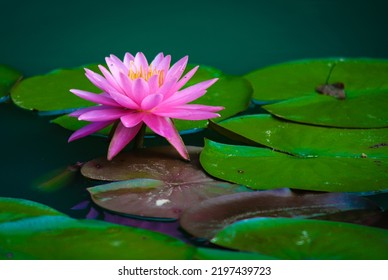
(212, 215)
(216, 254)
(24, 236)
(50, 92)
(300, 78)
(8, 77)
(305, 140)
(157, 183)
(260, 168)
(360, 109)
(287, 238)
(13, 209)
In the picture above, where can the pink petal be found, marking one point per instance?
(127, 59)
(132, 119)
(93, 97)
(123, 100)
(85, 110)
(164, 65)
(151, 101)
(200, 107)
(177, 69)
(189, 94)
(103, 115)
(153, 84)
(178, 99)
(141, 62)
(164, 127)
(140, 89)
(116, 66)
(108, 76)
(121, 138)
(89, 129)
(98, 80)
(165, 89)
(126, 84)
(185, 114)
(184, 79)
(157, 60)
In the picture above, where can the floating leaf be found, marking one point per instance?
(8, 77)
(304, 140)
(153, 163)
(260, 168)
(211, 216)
(360, 109)
(287, 238)
(25, 236)
(300, 78)
(216, 254)
(13, 209)
(158, 185)
(50, 92)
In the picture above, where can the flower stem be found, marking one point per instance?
(139, 139)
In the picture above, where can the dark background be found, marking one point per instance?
(234, 36)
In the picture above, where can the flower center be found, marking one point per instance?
(135, 73)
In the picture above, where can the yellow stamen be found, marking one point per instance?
(135, 73)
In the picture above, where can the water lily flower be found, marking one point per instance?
(135, 93)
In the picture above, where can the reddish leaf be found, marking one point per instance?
(210, 216)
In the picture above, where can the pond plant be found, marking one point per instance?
(291, 161)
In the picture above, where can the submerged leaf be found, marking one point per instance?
(305, 140)
(211, 216)
(287, 238)
(57, 179)
(260, 168)
(157, 183)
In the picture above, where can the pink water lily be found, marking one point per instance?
(136, 93)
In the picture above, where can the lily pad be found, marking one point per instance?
(287, 238)
(8, 77)
(305, 140)
(216, 254)
(50, 92)
(300, 78)
(211, 216)
(26, 237)
(260, 168)
(13, 209)
(159, 184)
(360, 109)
